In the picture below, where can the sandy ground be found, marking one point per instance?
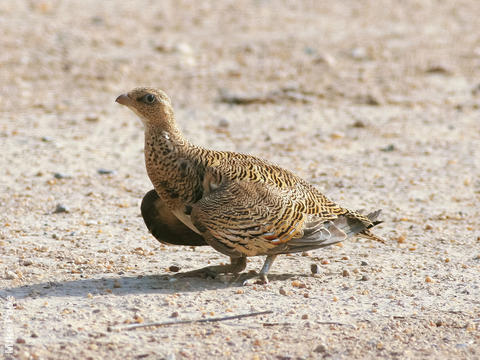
(375, 102)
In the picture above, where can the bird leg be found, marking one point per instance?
(262, 278)
(237, 264)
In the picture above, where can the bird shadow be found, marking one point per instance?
(126, 285)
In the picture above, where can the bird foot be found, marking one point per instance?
(260, 279)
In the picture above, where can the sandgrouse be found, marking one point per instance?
(238, 204)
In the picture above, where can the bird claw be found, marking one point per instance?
(256, 280)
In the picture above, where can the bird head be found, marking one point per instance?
(152, 106)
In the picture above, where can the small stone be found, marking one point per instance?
(371, 99)
(345, 273)
(60, 208)
(428, 279)
(174, 268)
(34, 335)
(26, 262)
(92, 118)
(363, 263)
(174, 314)
(388, 148)
(183, 48)
(58, 175)
(320, 348)
(304, 316)
(102, 171)
(282, 291)
(438, 69)
(359, 53)
(314, 268)
(337, 135)
(116, 284)
(223, 123)
(10, 275)
(47, 139)
(364, 278)
(298, 284)
(20, 341)
(326, 59)
(428, 227)
(358, 124)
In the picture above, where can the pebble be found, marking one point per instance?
(174, 268)
(20, 341)
(359, 53)
(282, 291)
(298, 284)
(92, 118)
(358, 124)
(314, 268)
(58, 175)
(345, 273)
(337, 135)
(363, 263)
(388, 148)
(223, 123)
(438, 69)
(26, 262)
(102, 171)
(10, 275)
(325, 59)
(183, 48)
(320, 348)
(364, 278)
(60, 208)
(428, 227)
(174, 314)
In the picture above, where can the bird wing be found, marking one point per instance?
(245, 218)
(164, 225)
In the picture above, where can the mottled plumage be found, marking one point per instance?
(239, 204)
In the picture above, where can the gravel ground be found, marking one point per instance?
(375, 102)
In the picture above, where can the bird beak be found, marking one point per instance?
(123, 99)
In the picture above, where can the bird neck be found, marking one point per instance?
(169, 133)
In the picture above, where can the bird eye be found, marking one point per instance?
(149, 99)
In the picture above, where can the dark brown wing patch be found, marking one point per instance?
(164, 226)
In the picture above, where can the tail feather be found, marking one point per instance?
(319, 234)
(367, 233)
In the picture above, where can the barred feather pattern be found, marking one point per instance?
(240, 204)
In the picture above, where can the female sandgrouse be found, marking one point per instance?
(238, 204)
